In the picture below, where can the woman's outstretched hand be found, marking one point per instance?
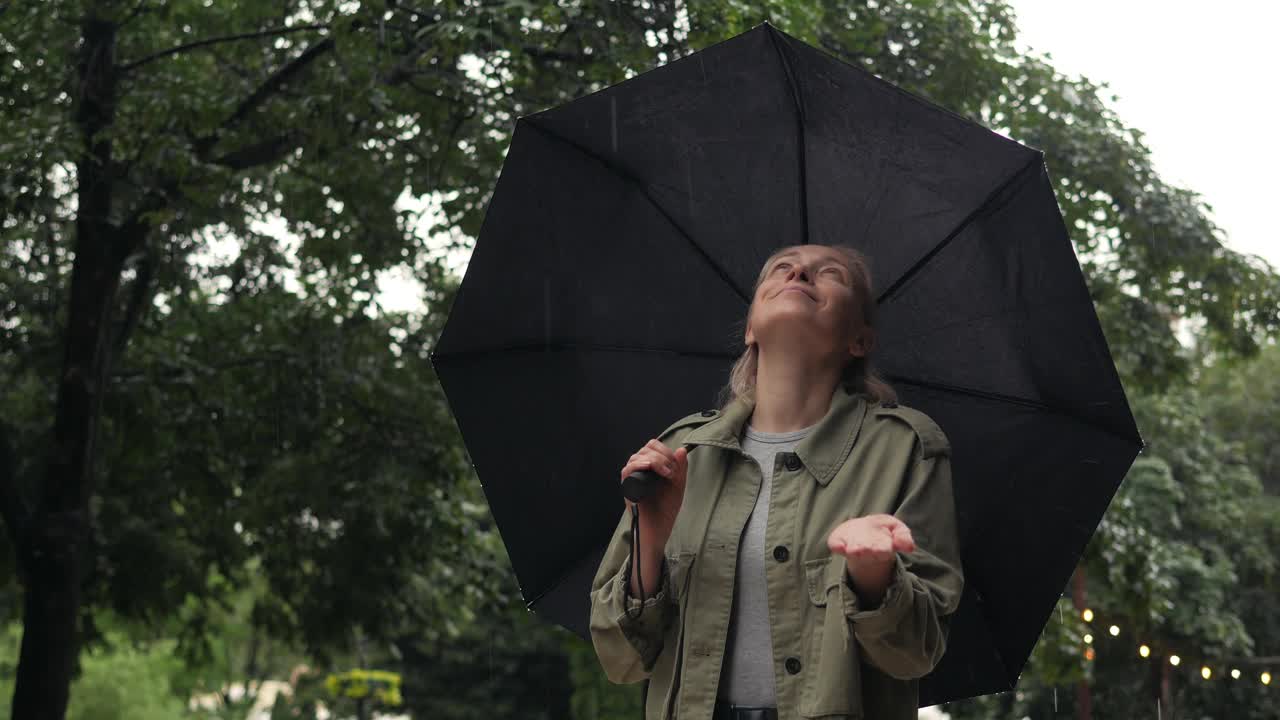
(869, 545)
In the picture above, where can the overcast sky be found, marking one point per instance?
(1193, 77)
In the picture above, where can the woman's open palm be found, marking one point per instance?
(871, 540)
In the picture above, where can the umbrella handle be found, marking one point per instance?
(640, 485)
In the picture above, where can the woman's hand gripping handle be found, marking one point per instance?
(653, 484)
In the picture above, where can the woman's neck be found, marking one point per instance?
(792, 392)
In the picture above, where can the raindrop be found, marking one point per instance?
(1055, 701)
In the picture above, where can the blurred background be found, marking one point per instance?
(231, 232)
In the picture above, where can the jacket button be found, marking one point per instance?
(793, 665)
(792, 462)
(780, 553)
(708, 413)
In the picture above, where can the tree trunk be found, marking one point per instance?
(55, 537)
(1080, 599)
(1166, 692)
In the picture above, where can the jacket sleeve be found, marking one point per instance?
(627, 646)
(906, 634)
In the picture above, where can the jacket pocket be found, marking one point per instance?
(664, 690)
(833, 680)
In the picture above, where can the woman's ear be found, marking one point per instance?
(862, 343)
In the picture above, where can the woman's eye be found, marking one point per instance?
(781, 266)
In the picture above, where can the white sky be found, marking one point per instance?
(1193, 76)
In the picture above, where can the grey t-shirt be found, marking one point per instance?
(747, 674)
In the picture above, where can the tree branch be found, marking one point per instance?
(540, 54)
(280, 77)
(139, 301)
(260, 153)
(127, 67)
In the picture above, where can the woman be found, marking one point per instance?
(800, 558)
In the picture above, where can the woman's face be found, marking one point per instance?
(806, 301)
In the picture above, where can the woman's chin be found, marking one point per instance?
(790, 334)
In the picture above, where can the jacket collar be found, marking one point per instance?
(822, 451)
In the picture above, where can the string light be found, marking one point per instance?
(1144, 651)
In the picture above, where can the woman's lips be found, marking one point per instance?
(800, 290)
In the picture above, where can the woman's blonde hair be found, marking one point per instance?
(860, 374)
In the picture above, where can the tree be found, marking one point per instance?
(1243, 403)
(136, 137)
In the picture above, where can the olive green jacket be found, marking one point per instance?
(833, 658)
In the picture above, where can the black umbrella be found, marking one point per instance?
(615, 265)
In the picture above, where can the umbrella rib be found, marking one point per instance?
(998, 193)
(575, 346)
(800, 125)
(628, 177)
(1013, 399)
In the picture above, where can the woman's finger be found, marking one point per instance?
(902, 539)
(661, 449)
(836, 542)
(649, 462)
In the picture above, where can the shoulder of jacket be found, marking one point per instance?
(691, 420)
(932, 440)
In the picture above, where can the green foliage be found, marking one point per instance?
(121, 679)
(1242, 400)
(594, 696)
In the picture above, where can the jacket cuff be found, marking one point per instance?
(883, 618)
(646, 631)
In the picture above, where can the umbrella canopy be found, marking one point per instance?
(607, 289)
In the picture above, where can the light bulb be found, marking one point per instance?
(1205, 672)
(1144, 651)
(1088, 638)
(1087, 615)
(1115, 630)
(1235, 673)
(1174, 659)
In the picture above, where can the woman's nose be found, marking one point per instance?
(799, 272)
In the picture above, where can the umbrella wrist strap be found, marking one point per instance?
(634, 560)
